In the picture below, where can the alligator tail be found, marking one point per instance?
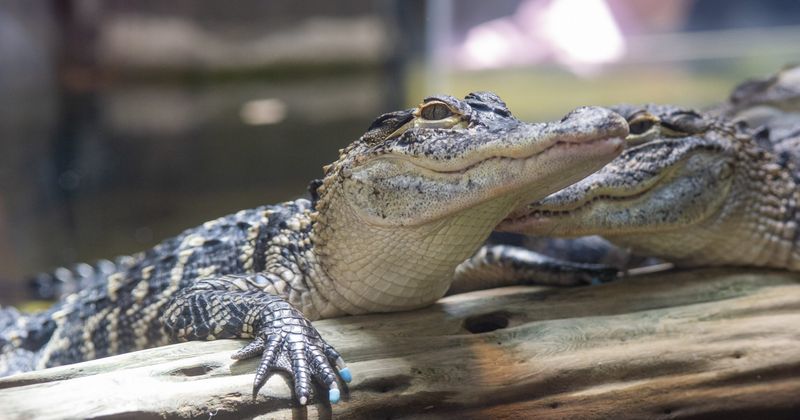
(67, 280)
(22, 336)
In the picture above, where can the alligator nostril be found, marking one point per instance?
(487, 322)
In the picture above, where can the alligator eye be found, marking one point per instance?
(685, 122)
(640, 126)
(433, 111)
(726, 170)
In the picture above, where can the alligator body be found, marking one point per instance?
(689, 188)
(426, 185)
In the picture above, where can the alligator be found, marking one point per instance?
(759, 100)
(426, 184)
(691, 189)
(773, 101)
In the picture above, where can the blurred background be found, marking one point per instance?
(124, 122)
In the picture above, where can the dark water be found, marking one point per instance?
(112, 171)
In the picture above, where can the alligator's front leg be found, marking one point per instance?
(505, 265)
(237, 307)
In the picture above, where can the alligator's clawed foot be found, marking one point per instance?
(287, 341)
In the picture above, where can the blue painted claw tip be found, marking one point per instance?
(346, 375)
(333, 396)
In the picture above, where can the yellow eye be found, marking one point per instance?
(434, 111)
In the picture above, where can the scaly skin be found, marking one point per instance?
(424, 185)
(693, 190)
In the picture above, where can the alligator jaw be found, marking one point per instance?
(574, 202)
(604, 145)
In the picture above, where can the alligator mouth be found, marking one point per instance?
(540, 213)
(531, 216)
(612, 142)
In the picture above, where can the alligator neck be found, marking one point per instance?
(367, 268)
(769, 221)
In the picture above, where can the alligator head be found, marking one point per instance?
(780, 91)
(688, 188)
(774, 101)
(423, 188)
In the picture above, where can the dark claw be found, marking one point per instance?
(253, 349)
(268, 358)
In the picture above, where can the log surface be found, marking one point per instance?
(691, 344)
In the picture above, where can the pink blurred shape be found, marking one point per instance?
(580, 34)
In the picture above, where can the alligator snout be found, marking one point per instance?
(591, 123)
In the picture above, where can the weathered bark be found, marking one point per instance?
(670, 345)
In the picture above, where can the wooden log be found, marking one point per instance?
(691, 344)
